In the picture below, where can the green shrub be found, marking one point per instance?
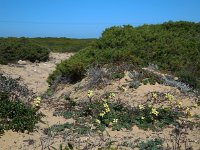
(17, 90)
(17, 116)
(173, 46)
(74, 68)
(14, 49)
(63, 44)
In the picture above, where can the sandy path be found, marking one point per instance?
(35, 75)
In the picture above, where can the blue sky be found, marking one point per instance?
(88, 18)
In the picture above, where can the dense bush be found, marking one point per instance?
(16, 111)
(15, 90)
(63, 44)
(16, 115)
(173, 46)
(14, 49)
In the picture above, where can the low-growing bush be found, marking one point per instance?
(106, 112)
(172, 46)
(15, 89)
(154, 144)
(63, 44)
(14, 49)
(16, 115)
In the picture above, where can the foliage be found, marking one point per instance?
(150, 117)
(68, 147)
(63, 44)
(14, 49)
(154, 144)
(16, 112)
(173, 46)
(15, 90)
(116, 115)
(16, 115)
(74, 68)
(57, 128)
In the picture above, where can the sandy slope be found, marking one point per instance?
(35, 75)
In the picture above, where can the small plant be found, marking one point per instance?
(15, 89)
(57, 128)
(149, 116)
(68, 147)
(17, 116)
(117, 75)
(154, 144)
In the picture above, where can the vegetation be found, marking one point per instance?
(14, 49)
(107, 112)
(63, 44)
(17, 114)
(173, 46)
(162, 110)
(14, 89)
(155, 144)
(20, 116)
(37, 49)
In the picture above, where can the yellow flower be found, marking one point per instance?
(154, 95)
(90, 93)
(102, 114)
(107, 110)
(36, 101)
(105, 105)
(195, 105)
(104, 100)
(36, 104)
(187, 109)
(98, 121)
(124, 89)
(115, 120)
(112, 95)
(142, 118)
(169, 97)
(179, 104)
(38, 98)
(154, 111)
(188, 112)
(141, 107)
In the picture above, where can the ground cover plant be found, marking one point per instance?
(106, 112)
(20, 116)
(15, 89)
(16, 111)
(172, 46)
(155, 144)
(96, 115)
